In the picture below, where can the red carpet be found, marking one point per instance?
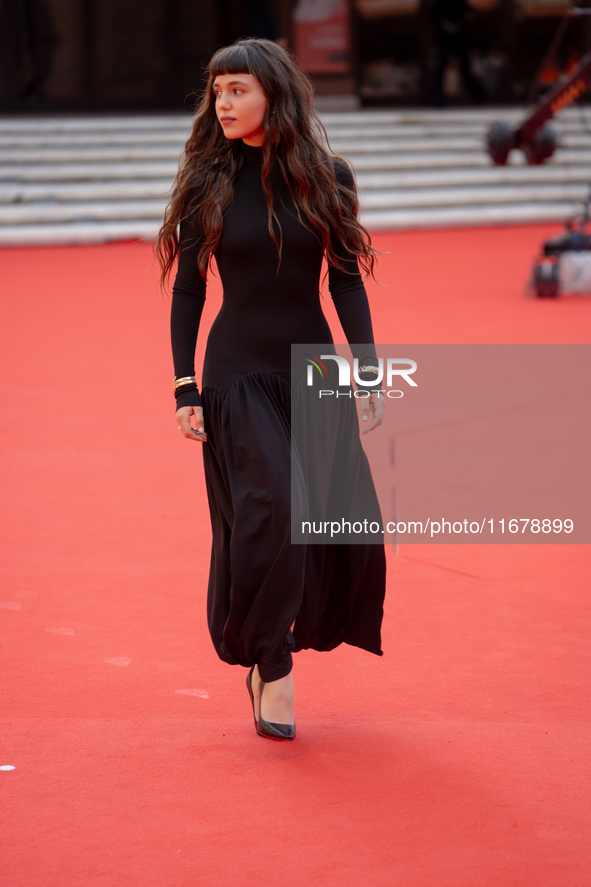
(459, 759)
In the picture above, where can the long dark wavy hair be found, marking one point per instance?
(295, 146)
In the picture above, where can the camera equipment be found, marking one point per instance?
(564, 264)
(535, 136)
(565, 261)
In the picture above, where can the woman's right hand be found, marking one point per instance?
(183, 417)
(376, 407)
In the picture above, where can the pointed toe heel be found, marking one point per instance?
(273, 731)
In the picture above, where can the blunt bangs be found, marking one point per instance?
(230, 60)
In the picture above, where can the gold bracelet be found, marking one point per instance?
(369, 370)
(186, 380)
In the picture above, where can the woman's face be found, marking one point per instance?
(240, 105)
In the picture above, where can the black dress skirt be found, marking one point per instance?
(260, 583)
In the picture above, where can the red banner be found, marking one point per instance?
(322, 36)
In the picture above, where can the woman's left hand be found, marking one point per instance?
(376, 407)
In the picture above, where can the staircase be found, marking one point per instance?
(101, 178)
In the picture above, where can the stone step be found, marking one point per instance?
(39, 126)
(95, 232)
(363, 164)
(89, 154)
(361, 147)
(96, 139)
(488, 175)
(78, 232)
(461, 145)
(457, 160)
(43, 192)
(88, 211)
(392, 219)
(164, 136)
(372, 201)
(448, 116)
(477, 130)
(451, 197)
(94, 122)
(76, 172)
(400, 117)
(102, 189)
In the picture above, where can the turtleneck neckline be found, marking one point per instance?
(253, 155)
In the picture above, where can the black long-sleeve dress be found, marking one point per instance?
(259, 582)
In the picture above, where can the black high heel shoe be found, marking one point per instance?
(266, 728)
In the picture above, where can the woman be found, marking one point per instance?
(257, 190)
